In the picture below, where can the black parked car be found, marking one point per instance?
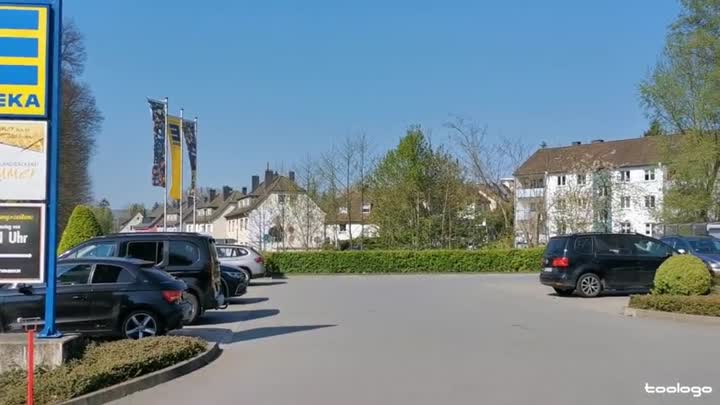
(190, 257)
(101, 297)
(234, 281)
(591, 263)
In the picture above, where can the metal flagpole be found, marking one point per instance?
(182, 174)
(195, 183)
(167, 152)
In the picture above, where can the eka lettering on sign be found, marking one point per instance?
(23, 60)
(22, 243)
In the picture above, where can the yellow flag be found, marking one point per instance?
(173, 135)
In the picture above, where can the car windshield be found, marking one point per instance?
(705, 246)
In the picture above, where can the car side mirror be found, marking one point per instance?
(682, 251)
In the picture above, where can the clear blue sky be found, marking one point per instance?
(276, 80)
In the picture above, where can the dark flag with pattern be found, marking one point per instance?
(157, 108)
(191, 142)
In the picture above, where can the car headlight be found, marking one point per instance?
(715, 266)
(234, 274)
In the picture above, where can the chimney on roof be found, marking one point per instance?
(227, 190)
(212, 193)
(598, 141)
(255, 183)
(576, 143)
(244, 191)
(291, 175)
(268, 177)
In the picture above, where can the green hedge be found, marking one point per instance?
(406, 261)
(695, 305)
(101, 366)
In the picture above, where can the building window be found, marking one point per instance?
(281, 199)
(649, 201)
(561, 180)
(649, 174)
(366, 208)
(625, 175)
(649, 229)
(625, 227)
(533, 207)
(343, 210)
(536, 183)
(581, 179)
(343, 227)
(624, 202)
(603, 192)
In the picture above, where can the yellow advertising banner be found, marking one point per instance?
(23, 60)
(173, 135)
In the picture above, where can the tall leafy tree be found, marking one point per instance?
(655, 129)
(417, 192)
(683, 95)
(80, 122)
(104, 215)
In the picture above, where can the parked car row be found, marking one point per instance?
(134, 285)
(590, 263)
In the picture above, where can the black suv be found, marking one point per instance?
(591, 263)
(190, 257)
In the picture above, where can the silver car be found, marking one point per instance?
(245, 258)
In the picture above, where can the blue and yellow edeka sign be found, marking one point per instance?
(23, 61)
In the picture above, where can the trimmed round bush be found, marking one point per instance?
(82, 225)
(682, 275)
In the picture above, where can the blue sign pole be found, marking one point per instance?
(50, 330)
(30, 87)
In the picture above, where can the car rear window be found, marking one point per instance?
(157, 274)
(556, 247)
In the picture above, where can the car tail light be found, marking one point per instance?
(172, 297)
(259, 259)
(561, 262)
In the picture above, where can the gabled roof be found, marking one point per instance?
(623, 153)
(218, 204)
(279, 184)
(355, 212)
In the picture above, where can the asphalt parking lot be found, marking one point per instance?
(429, 339)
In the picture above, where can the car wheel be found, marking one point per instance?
(563, 292)
(589, 285)
(140, 324)
(195, 308)
(247, 273)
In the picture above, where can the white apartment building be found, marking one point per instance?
(277, 214)
(614, 186)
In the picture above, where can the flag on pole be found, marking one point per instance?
(157, 109)
(191, 142)
(175, 157)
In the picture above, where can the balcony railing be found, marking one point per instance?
(529, 192)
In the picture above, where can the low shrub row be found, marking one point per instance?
(101, 366)
(695, 304)
(406, 261)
